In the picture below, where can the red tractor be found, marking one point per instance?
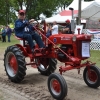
(15, 63)
(74, 49)
(71, 50)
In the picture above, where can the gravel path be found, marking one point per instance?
(34, 86)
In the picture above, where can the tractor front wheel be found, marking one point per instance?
(57, 86)
(14, 63)
(91, 76)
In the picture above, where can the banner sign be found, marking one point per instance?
(96, 33)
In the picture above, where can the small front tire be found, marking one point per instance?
(92, 76)
(57, 86)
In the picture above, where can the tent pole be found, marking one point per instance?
(79, 12)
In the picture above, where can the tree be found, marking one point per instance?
(34, 8)
(7, 13)
(64, 3)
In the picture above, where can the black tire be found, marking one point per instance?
(57, 86)
(46, 66)
(14, 63)
(94, 79)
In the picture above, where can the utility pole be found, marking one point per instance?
(79, 12)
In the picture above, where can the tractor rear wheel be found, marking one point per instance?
(57, 86)
(46, 66)
(92, 76)
(14, 63)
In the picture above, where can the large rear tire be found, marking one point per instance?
(46, 66)
(92, 76)
(14, 63)
(57, 86)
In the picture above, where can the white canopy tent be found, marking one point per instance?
(91, 12)
(75, 3)
(58, 18)
(62, 18)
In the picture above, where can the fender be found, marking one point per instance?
(22, 49)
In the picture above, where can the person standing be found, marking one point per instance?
(0, 33)
(3, 32)
(54, 29)
(8, 33)
(48, 30)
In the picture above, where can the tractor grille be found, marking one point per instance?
(79, 49)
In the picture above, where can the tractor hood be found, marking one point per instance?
(69, 38)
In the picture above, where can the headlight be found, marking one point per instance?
(74, 38)
(92, 37)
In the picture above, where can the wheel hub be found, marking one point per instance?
(56, 86)
(42, 63)
(13, 63)
(93, 76)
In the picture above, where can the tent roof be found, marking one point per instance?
(67, 13)
(92, 11)
(75, 3)
(58, 18)
(62, 16)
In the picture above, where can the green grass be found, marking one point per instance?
(4, 45)
(95, 57)
(95, 54)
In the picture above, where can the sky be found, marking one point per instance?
(97, 0)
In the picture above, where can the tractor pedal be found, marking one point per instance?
(40, 50)
(43, 51)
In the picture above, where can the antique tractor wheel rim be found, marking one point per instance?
(55, 86)
(40, 65)
(11, 64)
(43, 67)
(92, 76)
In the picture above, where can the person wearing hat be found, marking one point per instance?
(67, 29)
(23, 29)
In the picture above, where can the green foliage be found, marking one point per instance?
(64, 3)
(33, 8)
(6, 12)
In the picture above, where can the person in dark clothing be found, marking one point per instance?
(67, 29)
(8, 33)
(46, 27)
(23, 29)
(3, 35)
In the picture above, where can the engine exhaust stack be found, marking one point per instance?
(72, 20)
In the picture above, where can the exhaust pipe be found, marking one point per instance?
(72, 21)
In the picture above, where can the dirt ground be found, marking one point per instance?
(34, 86)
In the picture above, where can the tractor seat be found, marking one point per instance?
(18, 38)
(22, 41)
